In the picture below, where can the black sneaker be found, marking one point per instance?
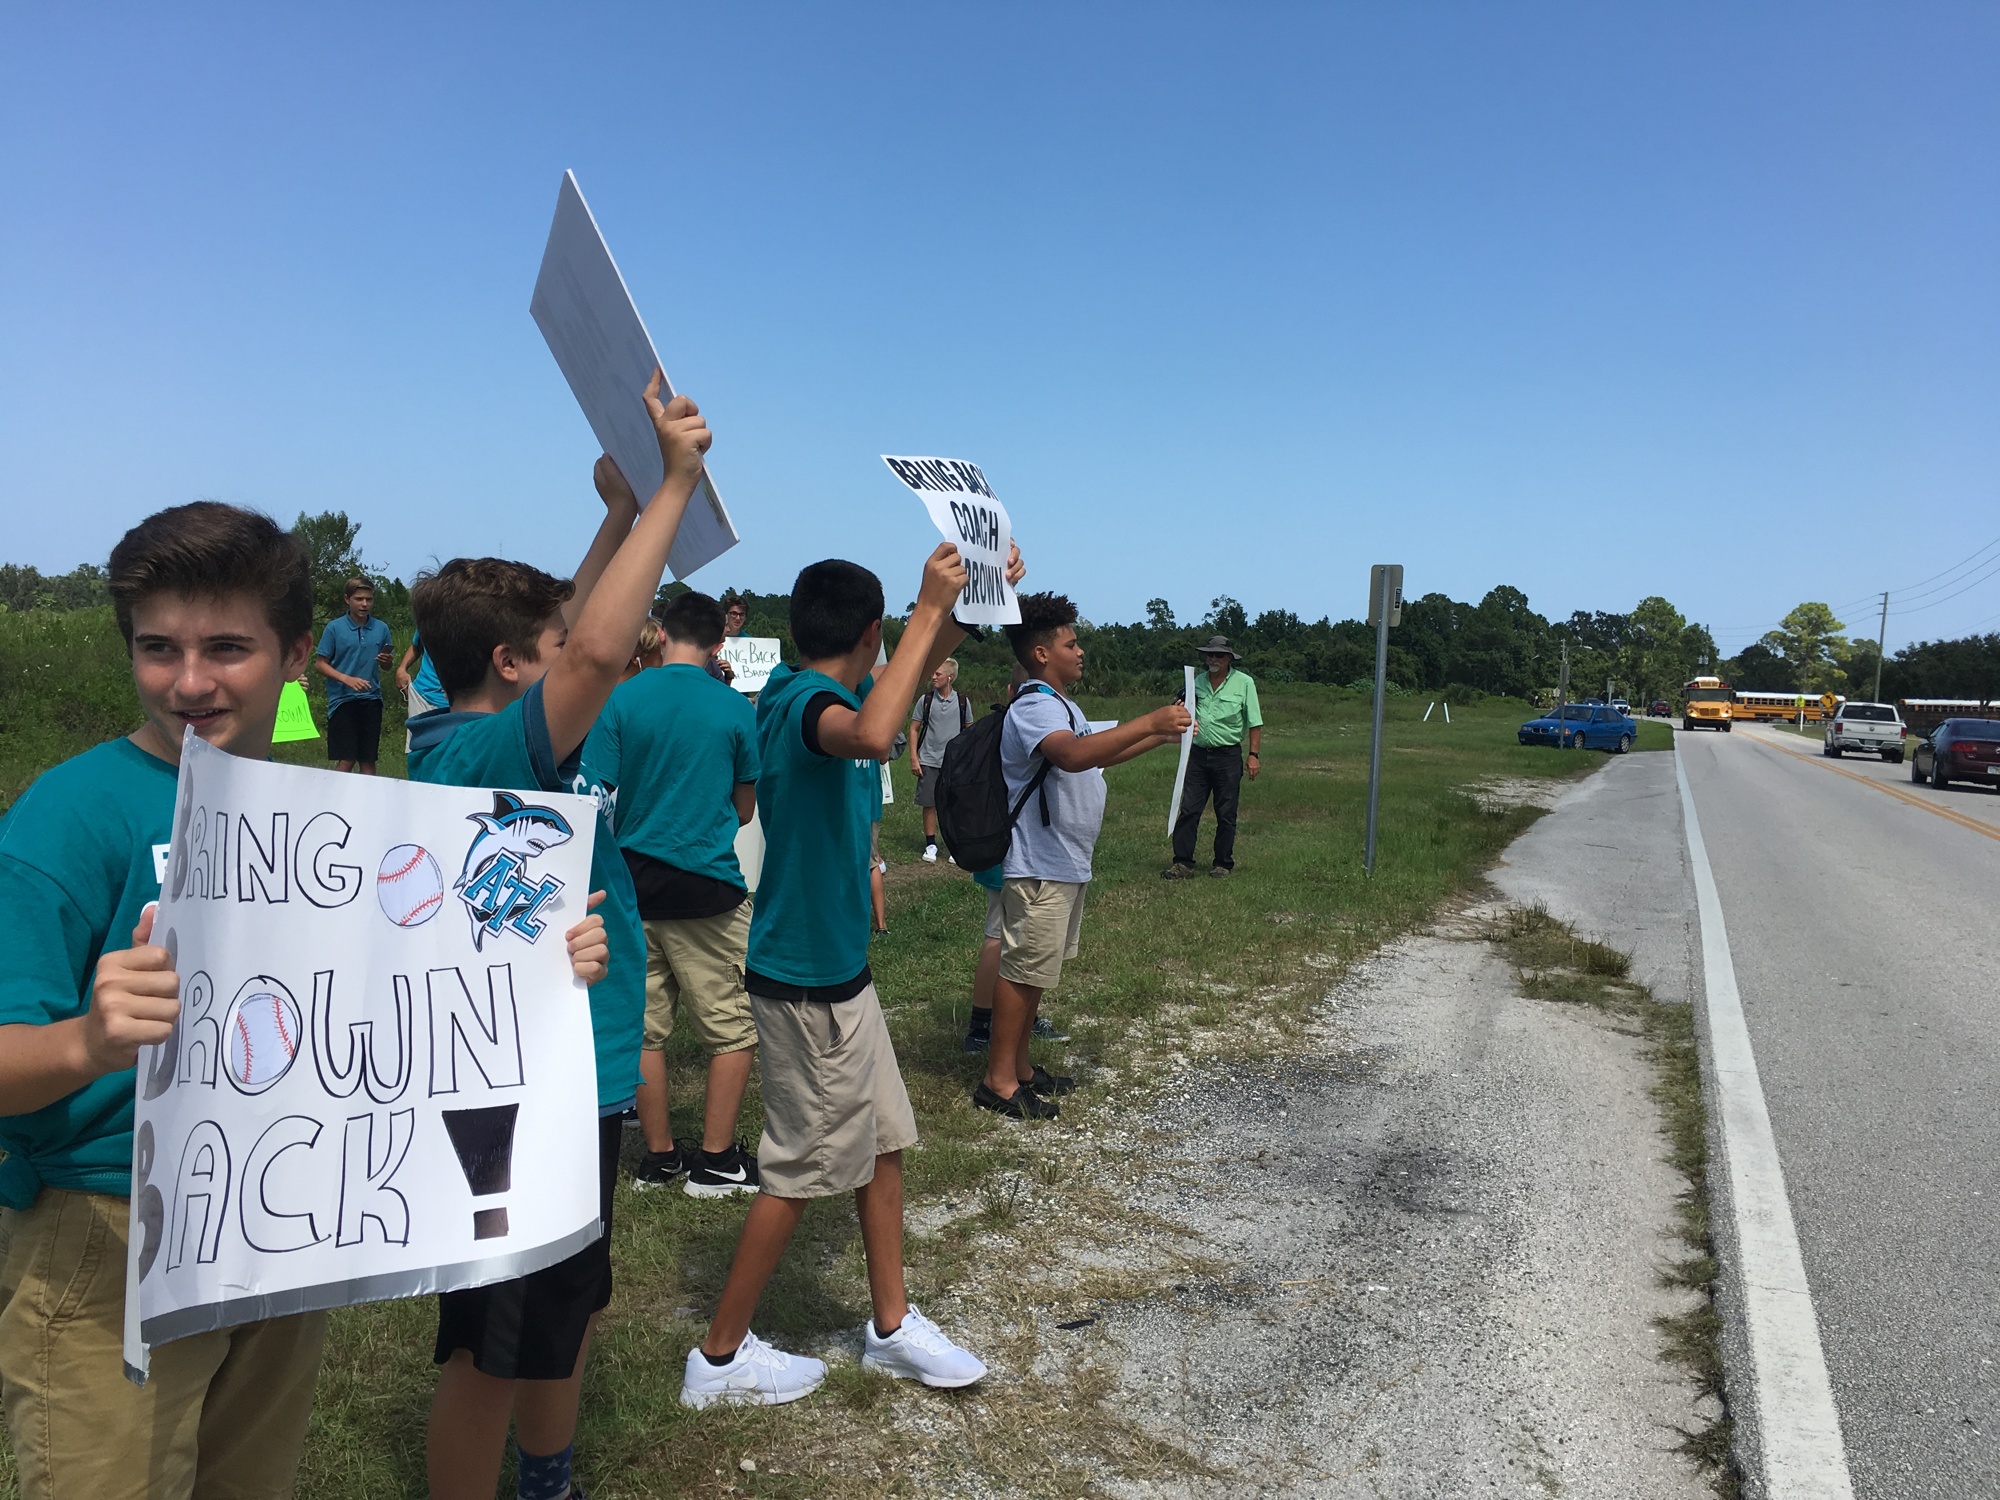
(723, 1175)
(978, 1033)
(1044, 1030)
(1047, 1084)
(1025, 1105)
(658, 1169)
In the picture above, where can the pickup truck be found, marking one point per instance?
(1873, 727)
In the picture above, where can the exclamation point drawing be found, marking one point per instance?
(484, 1141)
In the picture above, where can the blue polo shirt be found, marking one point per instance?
(352, 649)
(512, 749)
(81, 853)
(810, 925)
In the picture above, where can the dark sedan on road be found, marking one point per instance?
(1661, 709)
(1959, 750)
(1585, 726)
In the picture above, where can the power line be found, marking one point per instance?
(1905, 588)
(1969, 586)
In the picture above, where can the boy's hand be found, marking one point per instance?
(383, 659)
(589, 945)
(134, 1001)
(683, 434)
(944, 579)
(1172, 721)
(1016, 569)
(402, 679)
(612, 487)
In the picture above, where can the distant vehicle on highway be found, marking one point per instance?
(1622, 706)
(1754, 707)
(1875, 728)
(1660, 709)
(1959, 750)
(1710, 704)
(1582, 726)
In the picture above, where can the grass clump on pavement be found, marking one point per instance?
(1551, 962)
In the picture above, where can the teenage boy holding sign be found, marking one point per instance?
(836, 1116)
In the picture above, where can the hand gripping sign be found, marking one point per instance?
(382, 1082)
(966, 511)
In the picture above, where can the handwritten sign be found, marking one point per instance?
(965, 510)
(295, 716)
(382, 1082)
(605, 353)
(752, 658)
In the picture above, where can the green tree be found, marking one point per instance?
(330, 540)
(1811, 641)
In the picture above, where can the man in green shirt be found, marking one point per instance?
(1225, 715)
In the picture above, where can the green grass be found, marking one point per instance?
(1249, 955)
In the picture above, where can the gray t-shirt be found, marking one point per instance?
(944, 711)
(1060, 851)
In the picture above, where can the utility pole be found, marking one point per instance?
(1385, 608)
(1881, 644)
(1562, 697)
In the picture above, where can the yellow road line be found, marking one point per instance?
(1882, 786)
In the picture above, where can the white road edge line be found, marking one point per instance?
(1804, 1456)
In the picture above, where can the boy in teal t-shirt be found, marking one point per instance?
(215, 605)
(836, 1115)
(528, 662)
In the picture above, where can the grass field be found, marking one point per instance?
(1248, 955)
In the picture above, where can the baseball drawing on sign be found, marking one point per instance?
(494, 885)
(262, 1030)
(409, 886)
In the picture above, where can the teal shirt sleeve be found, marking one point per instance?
(748, 767)
(325, 647)
(47, 974)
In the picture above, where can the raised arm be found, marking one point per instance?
(600, 643)
(1084, 752)
(621, 509)
(871, 733)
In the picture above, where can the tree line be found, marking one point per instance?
(1498, 646)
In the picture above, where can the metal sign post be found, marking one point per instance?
(1385, 608)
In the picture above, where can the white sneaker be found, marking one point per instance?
(756, 1375)
(919, 1350)
(930, 854)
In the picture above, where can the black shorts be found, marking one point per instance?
(354, 730)
(531, 1328)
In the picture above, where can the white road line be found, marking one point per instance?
(1804, 1457)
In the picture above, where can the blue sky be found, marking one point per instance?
(1599, 301)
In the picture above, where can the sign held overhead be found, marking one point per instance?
(965, 511)
(605, 353)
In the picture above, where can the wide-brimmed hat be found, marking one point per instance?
(1218, 645)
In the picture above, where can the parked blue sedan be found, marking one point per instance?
(1583, 726)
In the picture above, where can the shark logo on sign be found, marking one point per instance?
(499, 893)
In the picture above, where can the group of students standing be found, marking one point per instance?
(537, 684)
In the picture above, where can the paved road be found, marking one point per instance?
(1861, 912)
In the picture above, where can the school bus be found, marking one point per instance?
(1707, 703)
(1755, 707)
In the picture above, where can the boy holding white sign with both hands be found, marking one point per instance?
(528, 662)
(215, 604)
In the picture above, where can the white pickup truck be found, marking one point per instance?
(1874, 727)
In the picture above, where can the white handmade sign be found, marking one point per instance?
(605, 353)
(966, 511)
(382, 1082)
(1187, 746)
(752, 658)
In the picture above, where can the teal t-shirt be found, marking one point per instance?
(81, 854)
(665, 759)
(512, 749)
(810, 924)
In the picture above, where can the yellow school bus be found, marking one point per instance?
(1753, 707)
(1707, 703)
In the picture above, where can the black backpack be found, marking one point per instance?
(974, 813)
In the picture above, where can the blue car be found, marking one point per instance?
(1583, 726)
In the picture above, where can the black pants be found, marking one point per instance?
(1213, 770)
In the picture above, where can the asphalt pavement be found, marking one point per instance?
(1861, 916)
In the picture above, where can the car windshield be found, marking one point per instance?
(1874, 713)
(1971, 729)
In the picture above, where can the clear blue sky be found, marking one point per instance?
(1599, 301)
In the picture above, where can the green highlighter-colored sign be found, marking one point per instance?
(295, 717)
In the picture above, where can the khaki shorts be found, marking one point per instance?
(1039, 923)
(221, 1413)
(833, 1095)
(695, 964)
(994, 907)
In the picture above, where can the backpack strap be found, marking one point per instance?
(924, 719)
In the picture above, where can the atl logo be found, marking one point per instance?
(499, 892)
